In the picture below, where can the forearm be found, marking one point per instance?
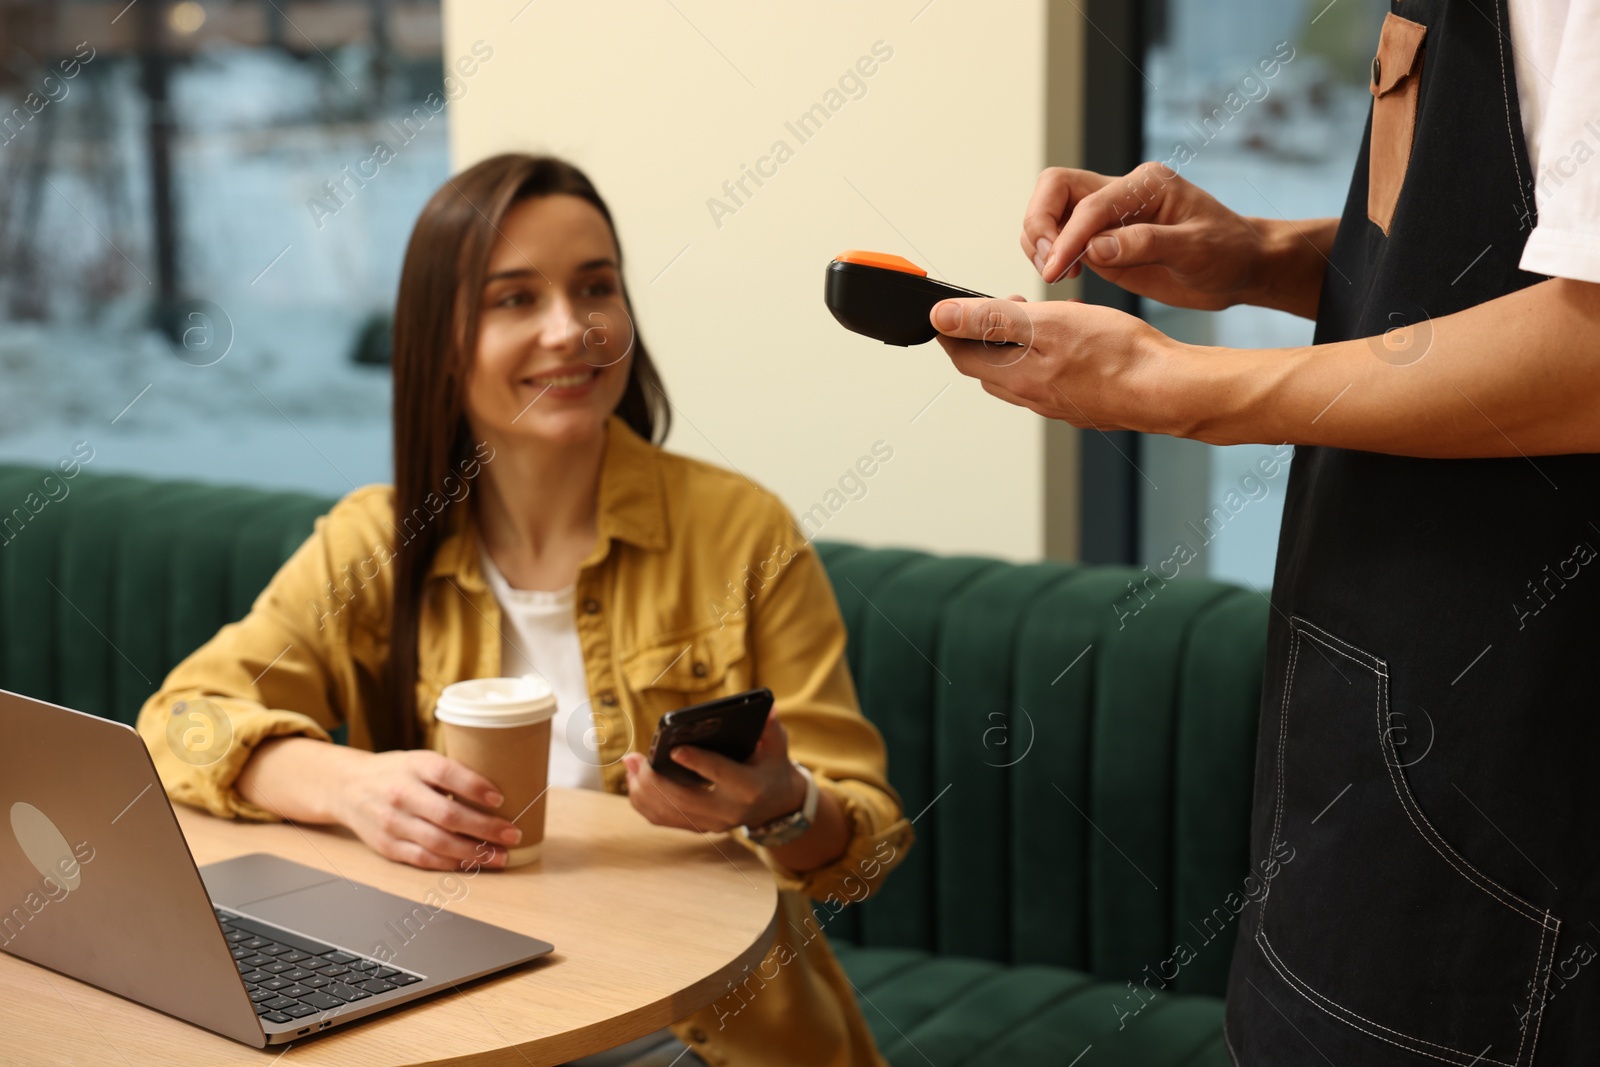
(294, 777)
(1294, 257)
(820, 845)
(1514, 376)
(872, 838)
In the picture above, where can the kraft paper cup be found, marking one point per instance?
(500, 727)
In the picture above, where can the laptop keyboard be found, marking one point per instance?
(291, 977)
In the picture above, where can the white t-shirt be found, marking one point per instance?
(1556, 52)
(539, 635)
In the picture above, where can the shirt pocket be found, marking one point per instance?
(1396, 76)
(687, 668)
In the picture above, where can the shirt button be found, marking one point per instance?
(608, 697)
(1377, 70)
(698, 1036)
(699, 670)
(591, 606)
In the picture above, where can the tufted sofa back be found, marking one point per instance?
(1081, 758)
(1078, 752)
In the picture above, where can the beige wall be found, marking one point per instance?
(662, 102)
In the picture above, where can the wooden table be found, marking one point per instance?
(649, 926)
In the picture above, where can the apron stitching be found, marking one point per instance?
(1505, 95)
(1307, 992)
(1538, 960)
(1426, 830)
(1283, 733)
(1542, 968)
(1375, 665)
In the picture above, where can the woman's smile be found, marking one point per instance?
(565, 382)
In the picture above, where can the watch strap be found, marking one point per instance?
(786, 828)
(813, 794)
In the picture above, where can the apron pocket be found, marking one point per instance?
(1372, 916)
(1396, 74)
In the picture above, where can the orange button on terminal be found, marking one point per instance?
(885, 260)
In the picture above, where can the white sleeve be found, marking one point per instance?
(1566, 241)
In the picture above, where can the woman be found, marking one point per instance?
(533, 525)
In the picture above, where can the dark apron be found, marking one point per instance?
(1426, 801)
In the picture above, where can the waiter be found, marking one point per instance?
(1437, 562)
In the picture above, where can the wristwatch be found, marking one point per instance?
(787, 828)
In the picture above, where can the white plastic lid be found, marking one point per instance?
(497, 702)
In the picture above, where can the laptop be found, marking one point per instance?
(97, 882)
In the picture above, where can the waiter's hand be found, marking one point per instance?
(1082, 363)
(1150, 232)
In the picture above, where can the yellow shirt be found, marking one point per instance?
(699, 586)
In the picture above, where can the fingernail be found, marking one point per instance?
(511, 836)
(495, 799)
(1038, 262)
(1106, 247)
(947, 316)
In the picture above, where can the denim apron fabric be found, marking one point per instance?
(1428, 769)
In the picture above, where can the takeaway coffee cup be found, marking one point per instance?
(500, 727)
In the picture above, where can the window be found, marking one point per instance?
(1263, 104)
(203, 210)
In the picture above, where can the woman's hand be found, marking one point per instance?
(741, 794)
(1088, 365)
(1156, 234)
(397, 803)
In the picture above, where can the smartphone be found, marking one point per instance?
(728, 726)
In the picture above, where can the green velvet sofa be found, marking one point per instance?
(1078, 753)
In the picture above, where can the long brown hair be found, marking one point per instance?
(435, 341)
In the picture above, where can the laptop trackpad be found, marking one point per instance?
(427, 936)
(244, 880)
